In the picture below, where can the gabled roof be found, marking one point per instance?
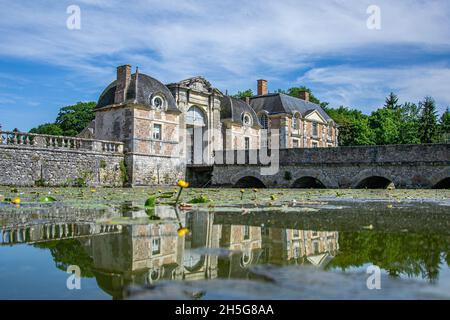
(282, 103)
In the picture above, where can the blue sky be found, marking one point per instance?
(324, 45)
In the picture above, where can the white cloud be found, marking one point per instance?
(230, 42)
(351, 86)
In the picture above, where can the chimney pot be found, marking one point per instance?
(123, 82)
(304, 95)
(262, 87)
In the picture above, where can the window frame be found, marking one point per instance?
(160, 131)
(315, 129)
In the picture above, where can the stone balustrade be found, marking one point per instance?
(13, 138)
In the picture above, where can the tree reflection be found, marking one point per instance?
(413, 255)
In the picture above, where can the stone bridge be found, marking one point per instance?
(399, 166)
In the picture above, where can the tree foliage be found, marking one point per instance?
(428, 127)
(71, 120)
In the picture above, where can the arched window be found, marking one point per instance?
(195, 117)
(264, 121)
(296, 122)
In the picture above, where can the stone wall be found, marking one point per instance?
(406, 166)
(28, 166)
(155, 170)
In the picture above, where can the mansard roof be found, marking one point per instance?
(233, 109)
(147, 88)
(282, 103)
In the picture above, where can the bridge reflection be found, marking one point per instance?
(38, 233)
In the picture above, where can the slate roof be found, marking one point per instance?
(282, 103)
(147, 87)
(233, 109)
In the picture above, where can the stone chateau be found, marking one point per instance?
(148, 133)
(166, 127)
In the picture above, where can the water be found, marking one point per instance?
(318, 249)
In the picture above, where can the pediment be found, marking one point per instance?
(197, 84)
(314, 115)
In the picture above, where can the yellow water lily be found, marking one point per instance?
(183, 184)
(182, 231)
(93, 190)
(16, 201)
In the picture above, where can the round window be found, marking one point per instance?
(158, 102)
(246, 119)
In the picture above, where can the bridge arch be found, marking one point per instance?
(374, 182)
(308, 182)
(310, 178)
(374, 179)
(249, 182)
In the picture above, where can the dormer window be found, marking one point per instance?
(246, 119)
(158, 102)
(264, 121)
(295, 122)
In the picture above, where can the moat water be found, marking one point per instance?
(267, 244)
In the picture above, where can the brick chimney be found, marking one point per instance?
(123, 82)
(304, 95)
(262, 87)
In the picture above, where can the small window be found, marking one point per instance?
(264, 121)
(156, 246)
(295, 123)
(246, 119)
(247, 143)
(316, 247)
(315, 129)
(158, 102)
(246, 232)
(295, 143)
(330, 130)
(315, 145)
(157, 129)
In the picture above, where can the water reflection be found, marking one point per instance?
(119, 256)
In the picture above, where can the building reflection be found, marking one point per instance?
(124, 255)
(145, 254)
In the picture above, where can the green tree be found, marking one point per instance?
(409, 124)
(444, 127)
(385, 126)
(428, 127)
(243, 94)
(48, 128)
(353, 125)
(391, 102)
(73, 119)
